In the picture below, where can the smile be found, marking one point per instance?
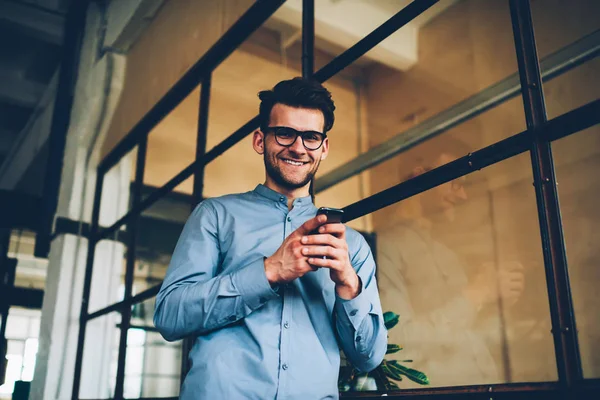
(295, 163)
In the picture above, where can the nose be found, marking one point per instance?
(461, 193)
(297, 147)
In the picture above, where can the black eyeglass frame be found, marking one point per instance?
(273, 129)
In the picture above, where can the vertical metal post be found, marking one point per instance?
(129, 271)
(308, 38)
(553, 245)
(308, 53)
(61, 117)
(87, 284)
(198, 190)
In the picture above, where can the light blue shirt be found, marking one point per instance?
(251, 341)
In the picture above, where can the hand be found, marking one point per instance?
(329, 249)
(511, 281)
(507, 282)
(288, 262)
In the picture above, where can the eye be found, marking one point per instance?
(312, 136)
(285, 133)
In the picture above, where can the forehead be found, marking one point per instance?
(302, 119)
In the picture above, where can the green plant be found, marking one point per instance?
(387, 372)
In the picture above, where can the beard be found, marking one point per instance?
(277, 175)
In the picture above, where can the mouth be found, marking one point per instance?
(295, 163)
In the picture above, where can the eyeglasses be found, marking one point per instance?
(287, 136)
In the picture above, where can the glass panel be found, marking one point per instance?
(462, 266)
(108, 276)
(116, 190)
(31, 271)
(158, 231)
(100, 352)
(463, 49)
(172, 145)
(577, 160)
(559, 25)
(258, 64)
(153, 365)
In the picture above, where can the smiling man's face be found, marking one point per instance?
(290, 169)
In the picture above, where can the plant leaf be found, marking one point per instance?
(391, 319)
(393, 348)
(389, 372)
(391, 386)
(412, 374)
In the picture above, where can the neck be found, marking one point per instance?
(291, 193)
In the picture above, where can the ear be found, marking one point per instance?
(258, 141)
(325, 148)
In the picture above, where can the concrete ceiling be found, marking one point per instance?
(339, 24)
(31, 34)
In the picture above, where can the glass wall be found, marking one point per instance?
(461, 263)
(575, 157)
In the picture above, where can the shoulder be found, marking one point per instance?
(221, 204)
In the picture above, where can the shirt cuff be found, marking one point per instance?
(251, 281)
(353, 311)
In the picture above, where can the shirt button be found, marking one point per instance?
(358, 338)
(286, 325)
(282, 199)
(289, 219)
(353, 313)
(284, 366)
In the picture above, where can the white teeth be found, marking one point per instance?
(293, 162)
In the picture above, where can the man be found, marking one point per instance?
(427, 283)
(267, 310)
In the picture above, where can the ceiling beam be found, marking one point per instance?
(38, 22)
(6, 141)
(17, 90)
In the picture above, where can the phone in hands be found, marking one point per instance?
(334, 215)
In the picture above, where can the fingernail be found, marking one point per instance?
(321, 229)
(304, 250)
(304, 239)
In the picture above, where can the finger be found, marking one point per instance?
(325, 240)
(321, 239)
(321, 251)
(325, 263)
(336, 229)
(311, 225)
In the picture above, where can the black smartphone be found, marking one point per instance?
(334, 215)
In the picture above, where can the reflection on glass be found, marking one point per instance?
(153, 365)
(577, 160)
(461, 264)
(557, 25)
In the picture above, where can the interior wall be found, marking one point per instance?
(180, 34)
(441, 250)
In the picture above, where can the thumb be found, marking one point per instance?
(310, 225)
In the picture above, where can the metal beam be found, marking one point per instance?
(37, 21)
(17, 90)
(563, 60)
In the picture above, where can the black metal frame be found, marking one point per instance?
(536, 139)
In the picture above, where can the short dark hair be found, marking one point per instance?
(297, 92)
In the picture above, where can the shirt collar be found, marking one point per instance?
(270, 194)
